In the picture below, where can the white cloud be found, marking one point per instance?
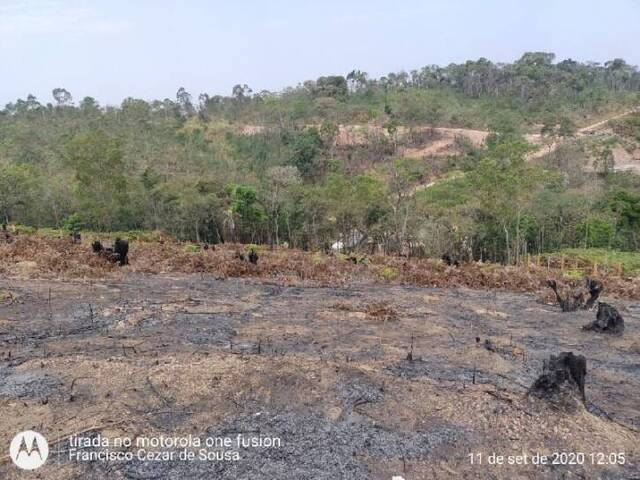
(19, 18)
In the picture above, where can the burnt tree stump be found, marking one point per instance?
(595, 288)
(119, 253)
(253, 256)
(608, 320)
(562, 380)
(121, 249)
(583, 298)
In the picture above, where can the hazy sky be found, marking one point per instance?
(147, 49)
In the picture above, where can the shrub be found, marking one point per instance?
(73, 223)
(388, 273)
(192, 248)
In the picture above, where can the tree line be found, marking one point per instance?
(265, 167)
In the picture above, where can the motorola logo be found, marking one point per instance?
(29, 450)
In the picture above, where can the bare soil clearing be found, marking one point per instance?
(319, 367)
(444, 140)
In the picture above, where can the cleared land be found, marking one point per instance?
(436, 142)
(323, 368)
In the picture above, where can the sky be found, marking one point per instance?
(113, 49)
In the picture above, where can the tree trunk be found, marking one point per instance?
(508, 249)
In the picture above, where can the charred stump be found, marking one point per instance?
(356, 260)
(450, 261)
(595, 288)
(569, 304)
(119, 253)
(562, 380)
(608, 320)
(582, 299)
(97, 247)
(121, 250)
(5, 233)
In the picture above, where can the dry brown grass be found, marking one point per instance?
(33, 256)
(379, 310)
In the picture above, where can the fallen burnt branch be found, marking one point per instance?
(499, 396)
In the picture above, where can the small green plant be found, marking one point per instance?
(574, 274)
(388, 273)
(23, 229)
(253, 247)
(318, 258)
(628, 262)
(192, 248)
(53, 232)
(73, 223)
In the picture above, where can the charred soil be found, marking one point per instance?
(324, 368)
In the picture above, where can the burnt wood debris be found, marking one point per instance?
(595, 288)
(5, 233)
(119, 253)
(450, 261)
(608, 320)
(583, 298)
(357, 260)
(252, 256)
(562, 379)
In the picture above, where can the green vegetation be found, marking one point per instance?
(627, 127)
(609, 259)
(388, 273)
(266, 168)
(192, 248)
(47, 232)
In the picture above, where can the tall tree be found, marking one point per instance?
(62, 97)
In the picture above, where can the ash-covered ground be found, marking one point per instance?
(325, 370)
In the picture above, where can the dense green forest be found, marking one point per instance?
(265, 167)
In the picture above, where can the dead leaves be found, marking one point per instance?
(48, 257)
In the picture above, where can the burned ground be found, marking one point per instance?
(320, 367)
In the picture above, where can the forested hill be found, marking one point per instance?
(265, 167)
